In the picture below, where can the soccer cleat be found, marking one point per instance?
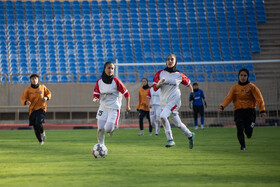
(150, 133)
(41, 143)
(156, 134)
(191, 141)
(170, 143)
(140, 133)
(196, 127)
(110, 133)
(242, 148)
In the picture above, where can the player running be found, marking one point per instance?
(196, 103)
(245, 96)
(143, 107)
(109, 90)
(169, 80)
(35, 97)
(155, 108)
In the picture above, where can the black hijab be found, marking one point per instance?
(106, 78)
(246, 71)
(147, 85)
(173, 69)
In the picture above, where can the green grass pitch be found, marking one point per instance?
(66, 160)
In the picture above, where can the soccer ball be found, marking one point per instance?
(99, 151)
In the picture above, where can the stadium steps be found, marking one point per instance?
(269, 33)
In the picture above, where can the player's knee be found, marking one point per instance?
(109, 128)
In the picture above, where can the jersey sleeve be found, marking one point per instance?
(121, 88)
(156, 79)
(185, 80)
(202, 94)
(24, 96)
(47, 93)
(228, 98)
(259, 98)
(96, 92)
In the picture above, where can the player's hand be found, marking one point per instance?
(128, 109)
(44, 99)
(160, 82)
(205, 104)
(28, 103)
(95, 99)
(221, 108)
(263, 115)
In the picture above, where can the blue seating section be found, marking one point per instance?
(79, 36)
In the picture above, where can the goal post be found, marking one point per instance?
(215, 91)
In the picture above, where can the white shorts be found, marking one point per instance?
(108, 115)
(155, 112)
(172, 107)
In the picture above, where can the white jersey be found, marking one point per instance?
(154, 96)
(110, 95)
(170, 90)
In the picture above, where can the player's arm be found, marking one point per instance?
(47, 94)
(24, 98)
(149, 98)
(139, 100)
(259, 98)
(121, 88)
(227, 100)
(96, 92)
(203, 99)
(157, 82)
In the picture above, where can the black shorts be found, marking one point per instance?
(198, 110)
(245, 115)
(37, 117)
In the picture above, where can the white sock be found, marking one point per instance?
(167, 128)
(101, 136)
(181, 125)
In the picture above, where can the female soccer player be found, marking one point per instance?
(155, 108)
(169, 80)
(35, 97)
(143, 107)
(109, 90)
(196, 102)
(245, 96)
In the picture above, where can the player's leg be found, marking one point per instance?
(163, 117)
(157, 116)
(101, 117)
(100, 131)
(177, 120)
(195, 116)
(250, 122)
(149, 121)
(153, 118)
(141, 123)
(239, 121)
(113, 119)
(201, 112)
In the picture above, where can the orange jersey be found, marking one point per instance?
(143, 100)
(35, 96)
(244, 97)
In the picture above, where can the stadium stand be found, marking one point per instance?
(79, 36)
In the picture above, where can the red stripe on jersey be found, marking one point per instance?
(173, 108)
(117, 119)
(185, 80)
(96, 90)
(156, 79)
(121, 88)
